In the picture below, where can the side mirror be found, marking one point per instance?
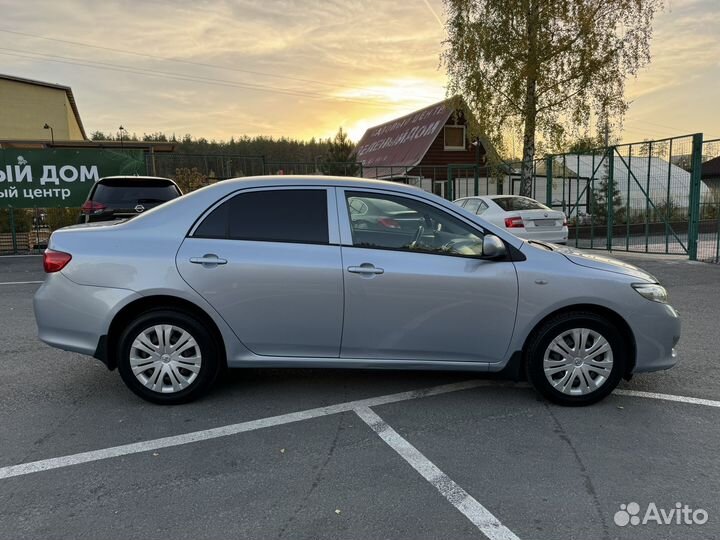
(493, 247)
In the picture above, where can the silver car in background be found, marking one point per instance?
(340, 272)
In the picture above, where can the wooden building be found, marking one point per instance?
(418, 147)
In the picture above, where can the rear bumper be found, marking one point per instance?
(74, 317)
(537, 233)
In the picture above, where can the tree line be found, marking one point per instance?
(271, 149)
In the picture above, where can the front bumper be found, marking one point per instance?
(657, 332)
(74, 317)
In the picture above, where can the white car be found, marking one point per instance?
(521, 216)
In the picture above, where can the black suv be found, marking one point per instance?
(119, 197)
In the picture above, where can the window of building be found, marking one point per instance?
(454, 137)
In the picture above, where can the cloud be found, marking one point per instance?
(371, 60)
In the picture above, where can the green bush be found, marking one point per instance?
(61, 217)
(22, 217)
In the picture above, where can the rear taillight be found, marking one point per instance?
(54, 261)
(514, 222)
(564, 221)
(389, 223)
(92, 207)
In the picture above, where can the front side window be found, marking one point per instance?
(405, 224)
(291, 215)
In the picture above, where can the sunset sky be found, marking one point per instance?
(221, 68)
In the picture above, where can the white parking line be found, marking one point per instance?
(232, 429)
(667, 397)
(480, 516)
(20, 282)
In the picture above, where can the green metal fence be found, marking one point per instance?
(708, 243)
(641, 197)
(653, 196)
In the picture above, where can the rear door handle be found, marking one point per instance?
(208, 260)
(365, 268)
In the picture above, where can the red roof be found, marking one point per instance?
(403, 141)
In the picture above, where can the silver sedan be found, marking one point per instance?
(340, 272)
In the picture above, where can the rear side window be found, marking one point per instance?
(472, 205)
(216, 224)
(293, 215)
(134, 191)
(510, 204)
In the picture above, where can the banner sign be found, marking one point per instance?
(60, 178)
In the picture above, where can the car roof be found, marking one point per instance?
(134, 177)
(314, 180)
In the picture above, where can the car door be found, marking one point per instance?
(421, 291)
(268, 261)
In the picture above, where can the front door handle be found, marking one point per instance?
(208, 260)
(365, 268)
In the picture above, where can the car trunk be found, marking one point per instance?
(545, 220)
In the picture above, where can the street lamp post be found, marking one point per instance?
(121, 129)
(476, 144)
(52, 133)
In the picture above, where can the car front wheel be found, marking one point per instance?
(576, 358)
(168, 357)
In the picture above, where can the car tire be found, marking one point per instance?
(180, 347)
(576, 358)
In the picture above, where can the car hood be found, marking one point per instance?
(603, 262)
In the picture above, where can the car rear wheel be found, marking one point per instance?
(577, 358)
(168, 357)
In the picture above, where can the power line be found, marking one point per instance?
(434, 14)
(333, 84)
(666, 127)
(183, 77)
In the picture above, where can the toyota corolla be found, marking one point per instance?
(339, 272)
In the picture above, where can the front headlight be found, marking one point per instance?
(652, 291)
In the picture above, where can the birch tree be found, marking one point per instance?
(544, 65)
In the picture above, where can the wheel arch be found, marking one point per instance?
(148, 303)
(602, 311)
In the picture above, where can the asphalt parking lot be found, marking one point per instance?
(354, 454)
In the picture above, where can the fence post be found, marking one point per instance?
(476, 184)
(694, 196)
(610, 197)
(11, 212)
(549, 178)
(449, 192)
